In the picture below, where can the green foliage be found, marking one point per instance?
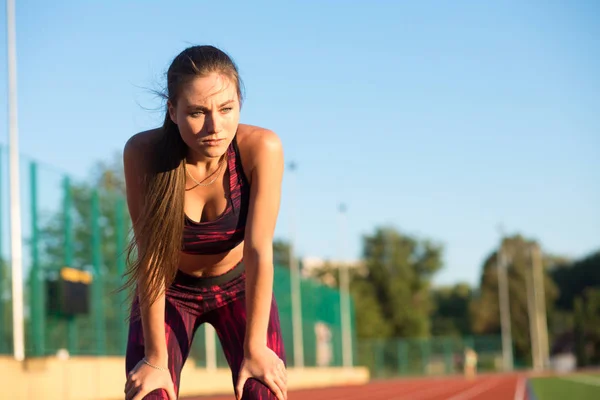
(579, 330)
(579, 305)
(392, 296)
(371, 322)
(587, 327)
(281, 253)
(391, 286)
(573, 278)
(451, 316)
(52, 251)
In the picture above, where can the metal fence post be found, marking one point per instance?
(98, 282)
(121, 261)
(72, 334)
(37, 278)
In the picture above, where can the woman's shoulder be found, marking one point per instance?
(139, 150)
(256, 143)
(142, 142)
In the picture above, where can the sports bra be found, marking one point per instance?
(227, 231)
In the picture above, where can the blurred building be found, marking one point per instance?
(325, 270)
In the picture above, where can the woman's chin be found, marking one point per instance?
(210, 151)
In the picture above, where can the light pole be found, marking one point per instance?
(531, 310)
(542, 321)
(345, 294)
(295, 278)
(536, 302)
(15, 202)
(504, 304)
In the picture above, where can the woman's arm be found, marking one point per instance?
(265, 197)
(266, 175)
(153, 325)
(143, 378)
(153, 317)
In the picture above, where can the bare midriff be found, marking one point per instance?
(211, 264)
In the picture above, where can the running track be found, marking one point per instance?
(488, 387)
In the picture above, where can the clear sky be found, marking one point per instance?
(443, 119)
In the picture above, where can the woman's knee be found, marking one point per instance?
(158, 394)
(256, 390)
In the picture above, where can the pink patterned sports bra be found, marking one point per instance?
(227, 231)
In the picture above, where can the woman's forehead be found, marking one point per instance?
(214, 88)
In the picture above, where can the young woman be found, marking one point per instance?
(203, 192)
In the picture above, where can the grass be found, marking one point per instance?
(578, 386)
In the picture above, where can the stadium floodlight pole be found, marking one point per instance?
(504, 305)
(295, 278)
(15, 202)
(537, 309)
(540, 297)
(532, 311)
(345, 295)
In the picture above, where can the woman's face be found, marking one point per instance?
(207, 113)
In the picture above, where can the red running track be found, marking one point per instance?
(488, 387)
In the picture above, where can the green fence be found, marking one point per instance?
(427, 356)
(75, 223)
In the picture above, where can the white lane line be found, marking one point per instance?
(520, 389)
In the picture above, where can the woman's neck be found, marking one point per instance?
(202, 164)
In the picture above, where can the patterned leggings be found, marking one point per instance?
(192, 301)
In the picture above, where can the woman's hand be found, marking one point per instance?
(143, 379)
(266, 366)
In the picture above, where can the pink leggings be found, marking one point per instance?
(220, 301)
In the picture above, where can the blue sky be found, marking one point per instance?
(443, 120)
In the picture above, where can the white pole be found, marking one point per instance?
(504, 303)
(541, 324)
(295, 279)
(541, 305)
(15, 209)
(532, 311)
(210, 344)
(345, 296)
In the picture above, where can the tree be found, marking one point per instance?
(390, 287)
(485, 312)
(587, 327)
(281, 253)
(579, 305)
(451, 316)
(109, 174)
(573, 278)
(392, 296)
